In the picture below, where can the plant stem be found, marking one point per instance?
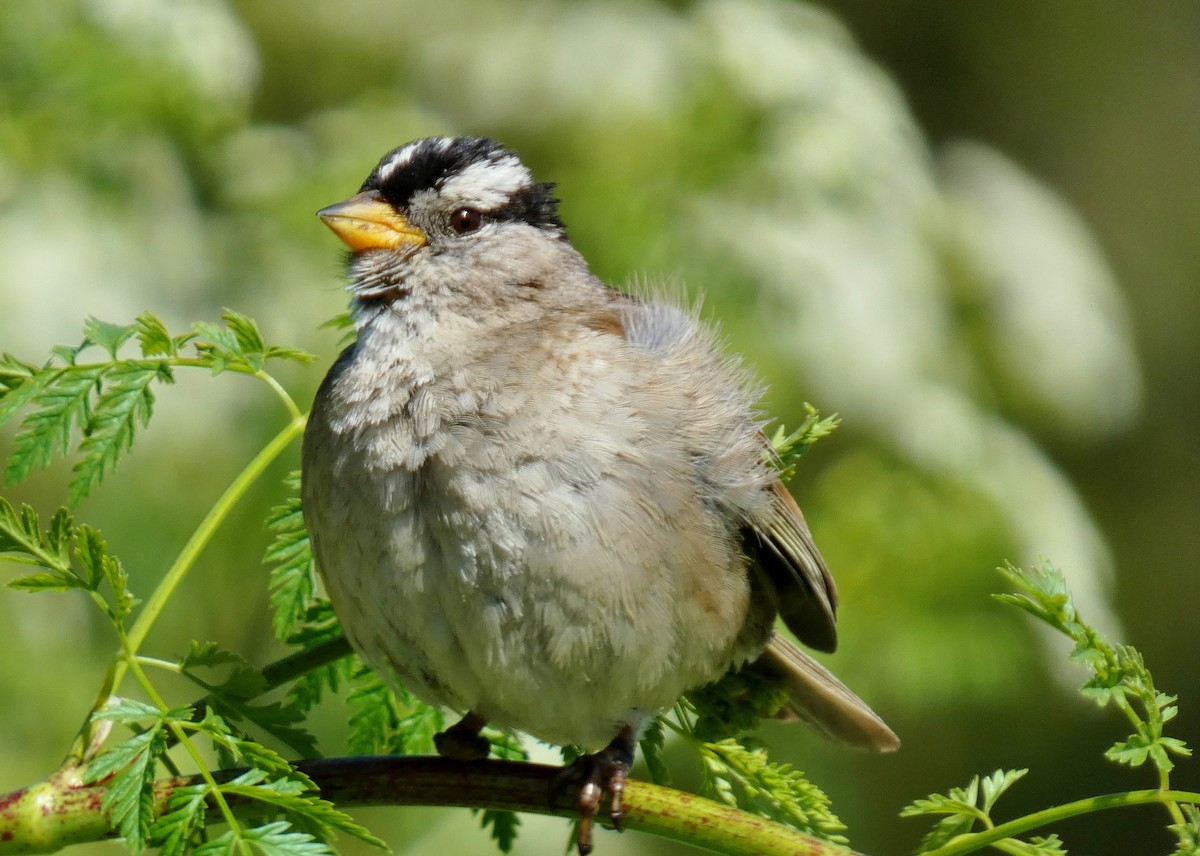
(205, 531)
(176, 729)
(75, 816)
(973, 841)
(180, 567)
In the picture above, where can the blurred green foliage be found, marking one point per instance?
(951, 307)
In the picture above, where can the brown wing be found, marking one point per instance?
(821, 700)
(782, 546)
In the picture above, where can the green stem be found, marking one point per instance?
(205, 531)
(1164, 786)
(181, 737)
(182, 564)
(282, 393)
(974, 841)
(72, 814)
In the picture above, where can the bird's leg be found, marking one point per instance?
(598, 774)
(462, 740)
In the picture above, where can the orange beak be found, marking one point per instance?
(367, 222)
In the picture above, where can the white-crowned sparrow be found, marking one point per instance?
(538, 500)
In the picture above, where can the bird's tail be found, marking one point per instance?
(818, 698)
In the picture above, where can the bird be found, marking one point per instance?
(540, 501)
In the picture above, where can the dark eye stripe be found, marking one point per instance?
(432, 161)
(535, 205)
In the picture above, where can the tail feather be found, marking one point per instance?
(822, 701)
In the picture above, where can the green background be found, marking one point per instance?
(968, 228)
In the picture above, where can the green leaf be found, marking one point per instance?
(178, 829)
(416, 729)
(20, 383)
(129, 798)
(277, 719)
(501, 825)
(960, 811)
(293, 575)
(124, 405)
(320, 625)
(108, 336)
(154, 338)
(374, 715)
(787, 448)
(22, 537)
(252, 754)
(734, 705)
(1119, 674)
(743, 777)
(61, 405)
(505, 746)
(128, 710)
(1187, 833)
(996, 784)
(298, 800)
(210, 654)
(652, 742)
(240, 345)
(47, 581)
(270, 839)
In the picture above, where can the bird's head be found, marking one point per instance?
(439, 209)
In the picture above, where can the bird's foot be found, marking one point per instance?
(596, 775)
(462, 740)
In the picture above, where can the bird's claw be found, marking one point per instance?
(605, 772)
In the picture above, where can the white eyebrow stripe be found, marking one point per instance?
(399, 159)
(488, 183)
(405, 156)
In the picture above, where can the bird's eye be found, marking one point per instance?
(465, 220)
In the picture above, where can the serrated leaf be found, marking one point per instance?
(47, 581)
(266, 761)
(15, 534)
(1187, 833)
(201, 654)
(652, 742)
(270, 839)
(245, 330)
(239, 345)
(91, 552)
(293, 577)
(744, 777)
(374, 715)
(176, 830)
(319, 627)
(108, 336)
(501, 825)
(504, 745)
(20, 383)
(62, 404)
(994, 786)
(154, 338)
(129, 798)
(788, 447)
(128, 710)
(416, 728)
(299, 801)
(280, 721)
(125, 404)
(1119, 673)
(58, 535)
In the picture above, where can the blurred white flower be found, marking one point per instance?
(203, 38)
(1061, 329)
(849, 240)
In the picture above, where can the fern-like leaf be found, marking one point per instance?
(293, 572)
(743, 777)
(125, 405)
